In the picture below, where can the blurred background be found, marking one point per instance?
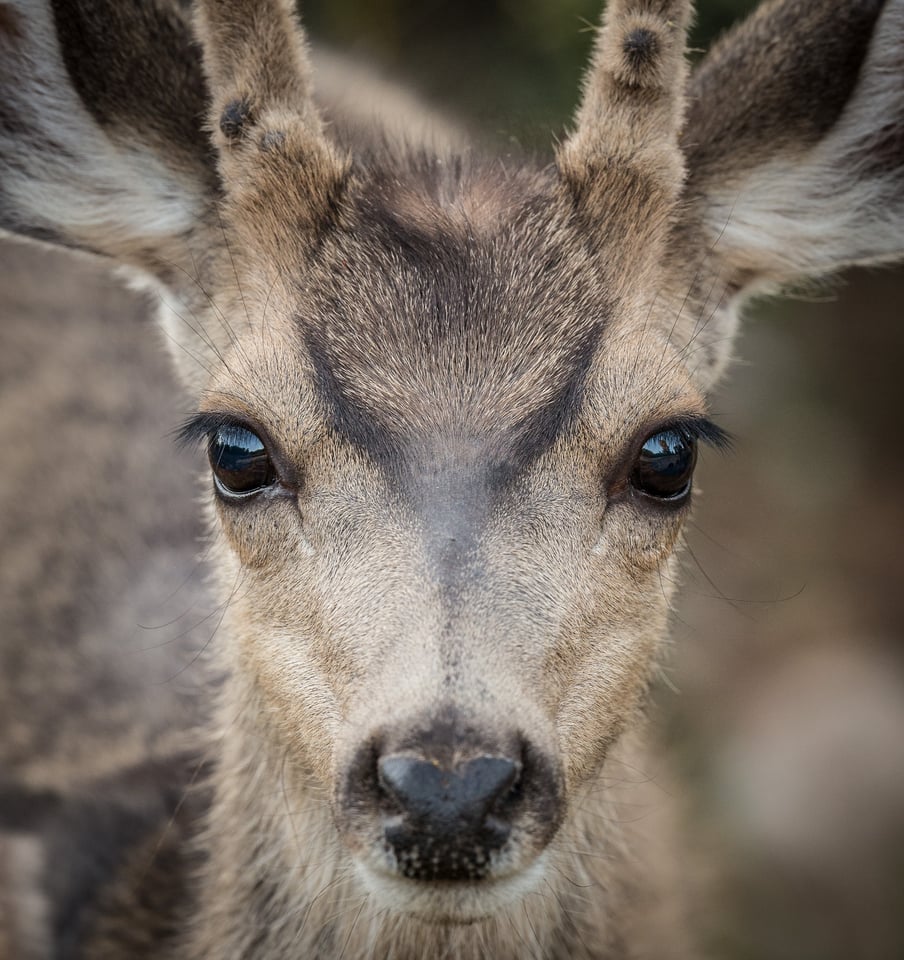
(783, 710)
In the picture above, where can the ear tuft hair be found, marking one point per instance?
(278, 170)
(641, 47)
(234, 119)
(623, 166)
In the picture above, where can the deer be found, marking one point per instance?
(452, 405)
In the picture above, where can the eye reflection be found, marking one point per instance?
(665, 465)
(239, 460)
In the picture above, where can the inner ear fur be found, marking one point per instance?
(104, 147)
(794, 144)
(103, 150)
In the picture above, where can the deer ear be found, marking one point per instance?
(104, 145)
(103, 149)
(99, 150)
(794, 145)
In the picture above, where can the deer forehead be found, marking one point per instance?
(469, 324)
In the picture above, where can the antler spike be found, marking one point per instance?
(256, 59)
(265, 124)
(625, 141)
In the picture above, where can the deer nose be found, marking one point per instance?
(444, 823)
(458, 799)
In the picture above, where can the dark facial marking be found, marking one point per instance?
(539, 429)
(450, 335)
(346, 418)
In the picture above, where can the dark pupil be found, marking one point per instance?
(239, 460)
(665, 465)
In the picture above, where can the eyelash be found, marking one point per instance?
(700, 429)
(642, 474)
(202, 426)
(640, 478)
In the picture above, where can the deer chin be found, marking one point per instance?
(450, 902)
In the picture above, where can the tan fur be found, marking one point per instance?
(623, 161)
(454, 367)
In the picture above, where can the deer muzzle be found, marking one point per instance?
(448, 803)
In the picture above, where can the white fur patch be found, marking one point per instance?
(833, 206)
(64, 173)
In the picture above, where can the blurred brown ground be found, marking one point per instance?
(789, 652)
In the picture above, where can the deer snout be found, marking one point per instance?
(444, 823)
(446, 801)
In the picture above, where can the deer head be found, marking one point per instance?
(452, 408)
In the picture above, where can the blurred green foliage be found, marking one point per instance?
(514, 66)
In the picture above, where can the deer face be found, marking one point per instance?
(452, 414)
(451, 469)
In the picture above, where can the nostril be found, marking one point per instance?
(490, 781)
(450, 803)
(393, 776)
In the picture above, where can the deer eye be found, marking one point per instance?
(240, 462)
(665, 465)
